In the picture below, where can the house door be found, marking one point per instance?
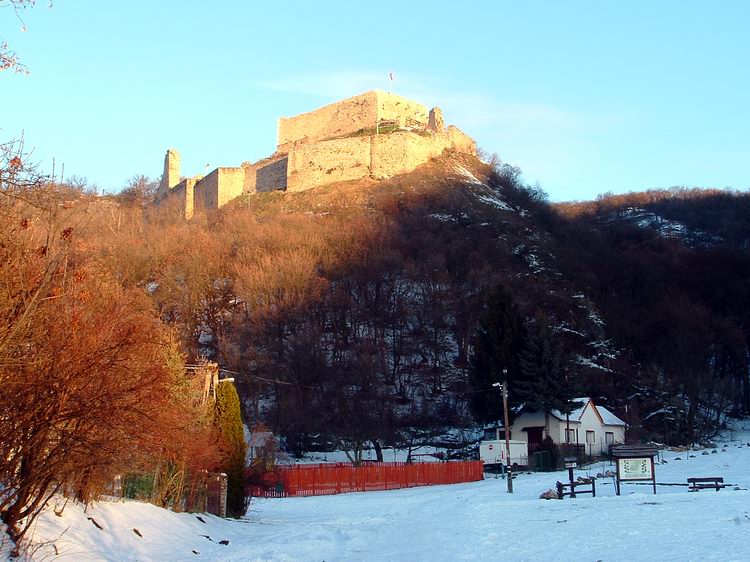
(535, 438)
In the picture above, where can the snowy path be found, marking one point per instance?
(477, 521)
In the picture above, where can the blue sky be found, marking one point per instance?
(586, 97)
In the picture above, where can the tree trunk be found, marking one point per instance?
(12, 515)
(378, 450)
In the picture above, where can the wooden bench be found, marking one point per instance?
(707, 483)
(573, 487)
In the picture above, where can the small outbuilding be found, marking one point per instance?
(261, 445)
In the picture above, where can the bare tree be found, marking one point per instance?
(9, 59)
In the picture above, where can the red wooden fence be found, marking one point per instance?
(339, 478)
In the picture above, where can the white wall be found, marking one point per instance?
(590, 422)
(563, 425)
(619, 432)
(534, 419)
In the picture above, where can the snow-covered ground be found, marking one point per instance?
(477, 521)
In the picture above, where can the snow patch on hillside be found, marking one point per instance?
(443, 217)
(467, 175)
(666, 228)
(589, 363)
(484, 193)
(494, 201)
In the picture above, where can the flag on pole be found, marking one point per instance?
(390, 81)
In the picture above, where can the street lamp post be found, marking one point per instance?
(509, 469)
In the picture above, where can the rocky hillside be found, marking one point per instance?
(382, 351)
(670, 271)
(348, 313)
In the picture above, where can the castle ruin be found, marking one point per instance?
(373, 135)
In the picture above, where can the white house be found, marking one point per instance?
(594, 427)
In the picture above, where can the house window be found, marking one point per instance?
(496, 434)
(590, 437)
(570, 435)
(609, 438)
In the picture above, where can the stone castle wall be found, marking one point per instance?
(321, 147)
(231, 184)
(179, 200)
(328, 161)
(184, 193)
(402, 152)
(218, 188)
(402, 110)
(333, 120)
(272, 176)
(460, 141)
(269, 174)
(349, 116)
(376, 156)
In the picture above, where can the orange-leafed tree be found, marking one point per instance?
(90, 379)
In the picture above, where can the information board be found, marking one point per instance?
(635, 462)
(635, 469)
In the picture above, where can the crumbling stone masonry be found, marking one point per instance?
(374, 135)
(171, 176)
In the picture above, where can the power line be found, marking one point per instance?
(254, 377)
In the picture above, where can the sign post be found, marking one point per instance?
(635, 463)
(570, 464)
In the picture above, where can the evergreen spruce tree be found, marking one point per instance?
(546, 380)
(229, 422)
(497, 346)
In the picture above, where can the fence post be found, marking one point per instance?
(222, 494)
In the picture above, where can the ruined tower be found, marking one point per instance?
(171, 175)
(435, 121)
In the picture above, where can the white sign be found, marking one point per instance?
(635, 469)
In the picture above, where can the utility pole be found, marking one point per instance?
(506, 426)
